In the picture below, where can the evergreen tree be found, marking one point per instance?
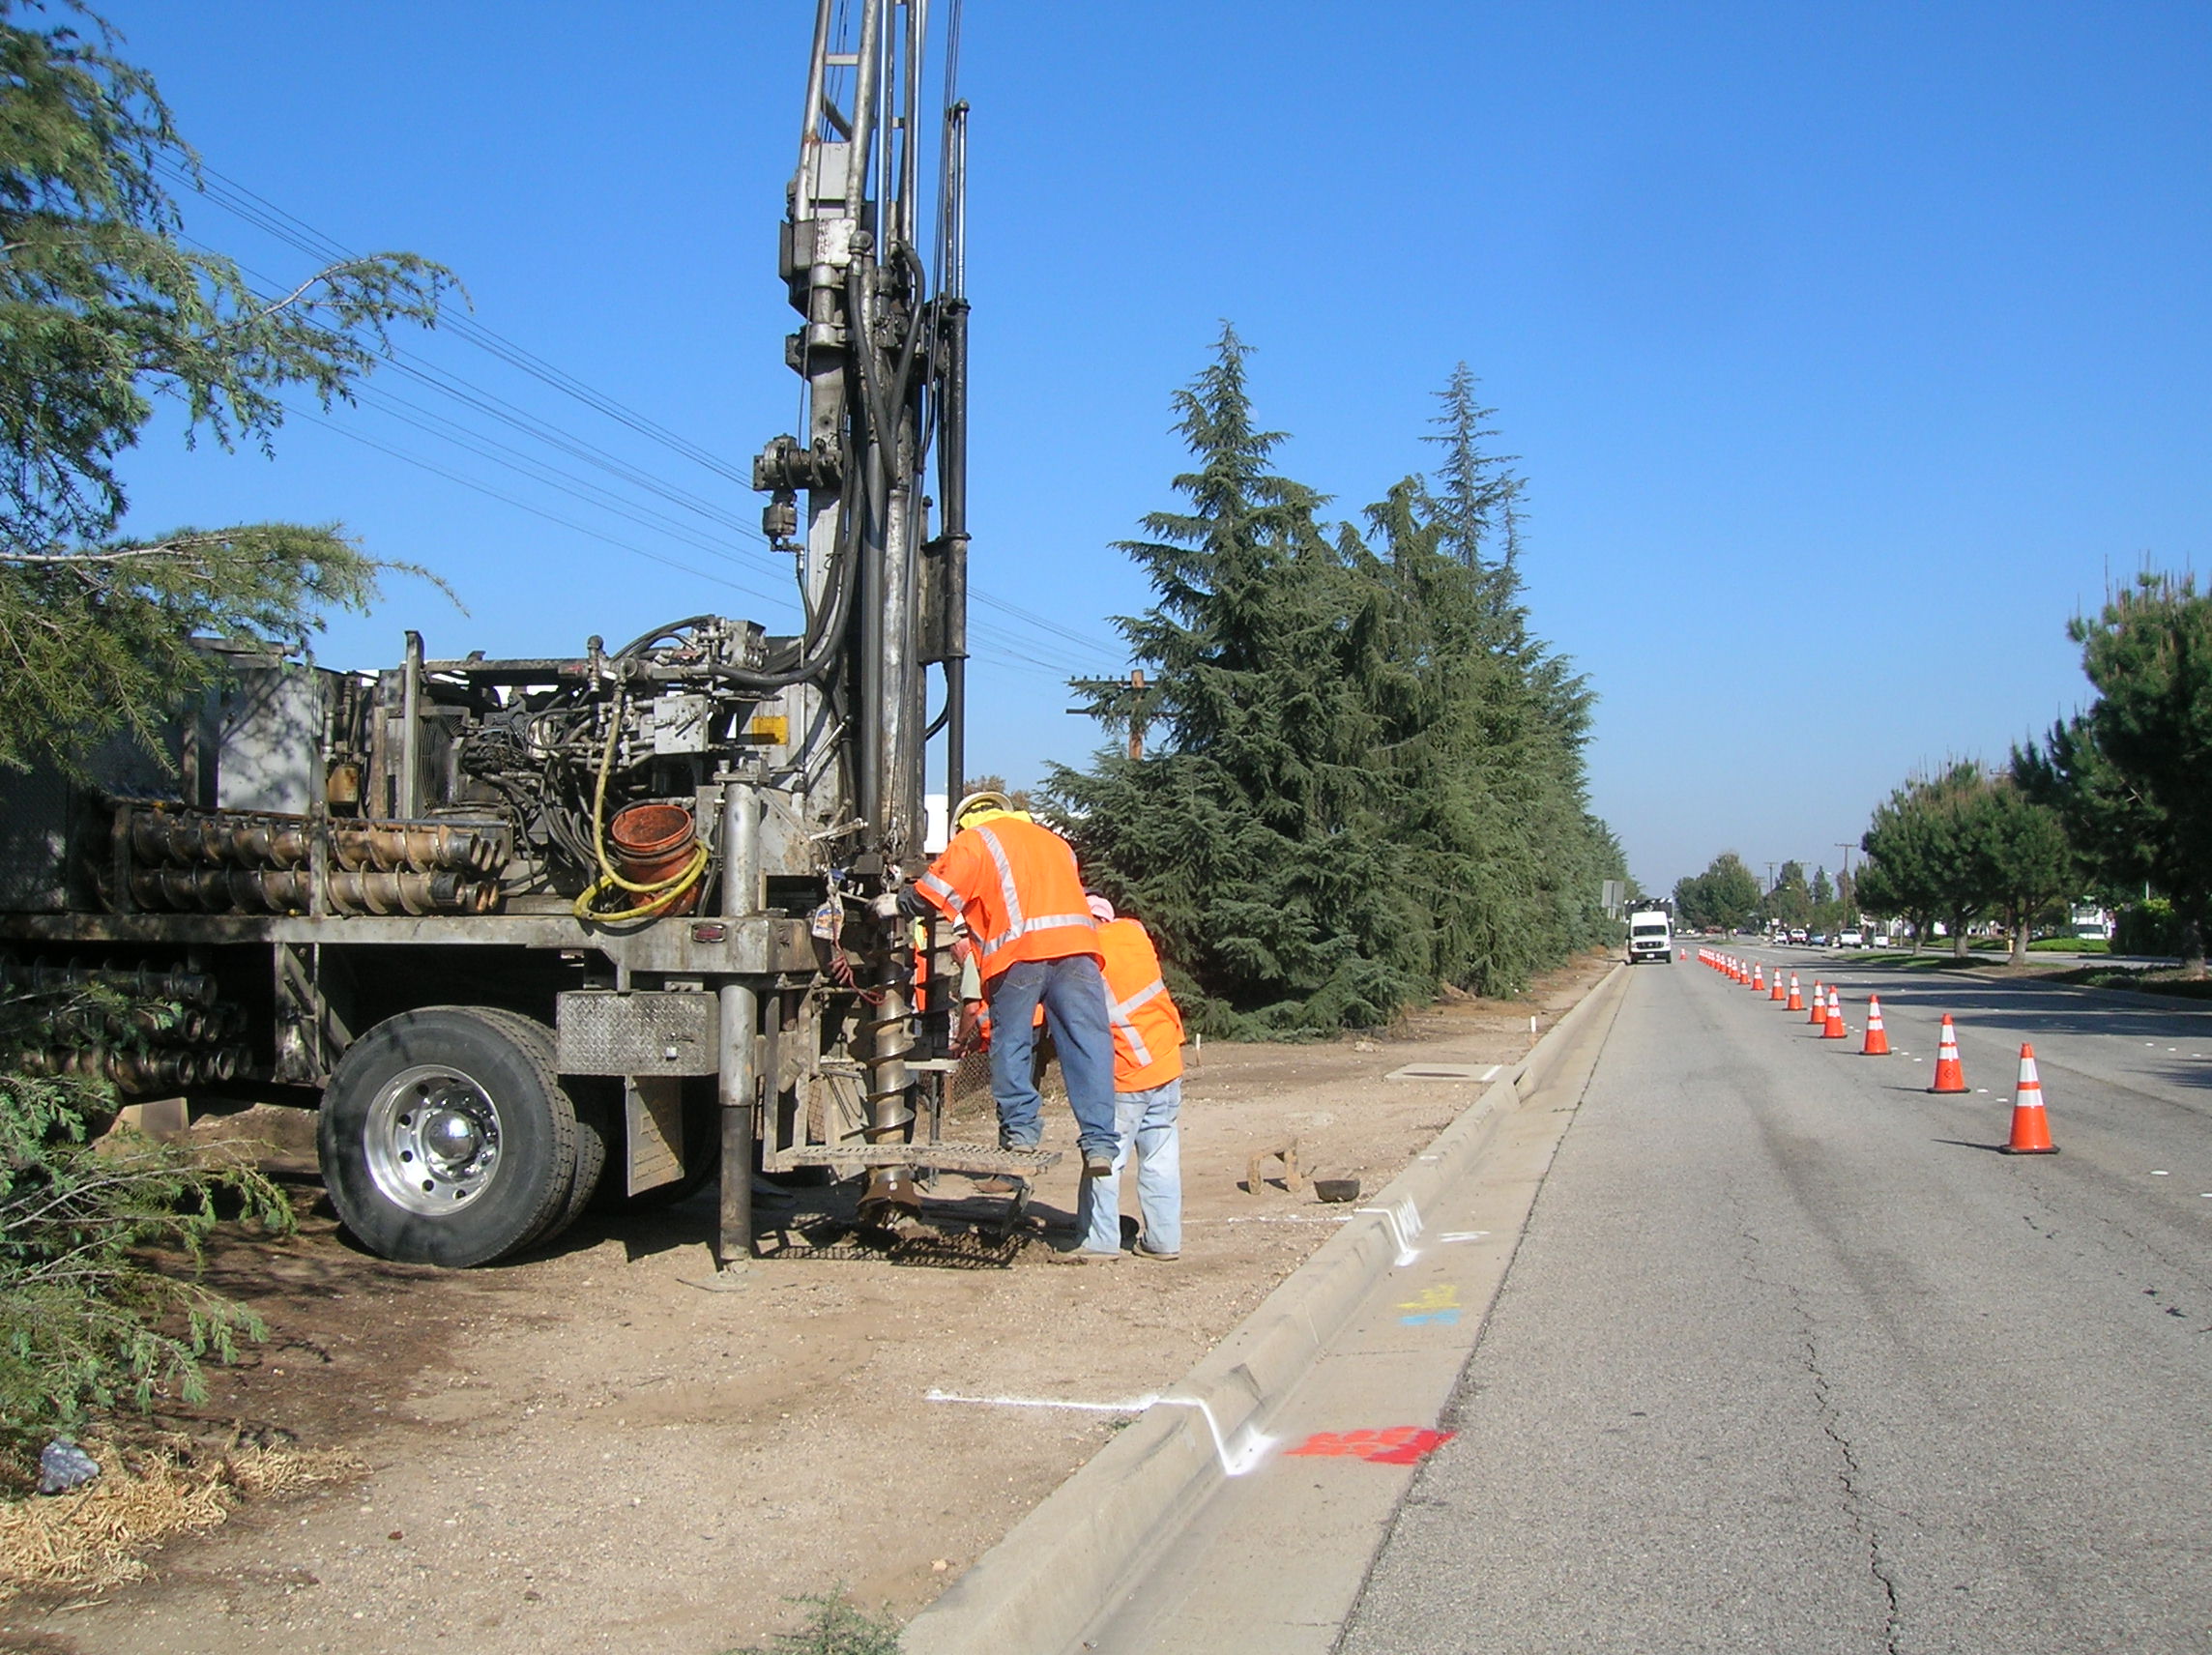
(1370, 773)
(1248, 838)
(2131, 776)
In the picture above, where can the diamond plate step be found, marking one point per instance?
(948, 1157)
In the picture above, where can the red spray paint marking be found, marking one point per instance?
(1400, 1445)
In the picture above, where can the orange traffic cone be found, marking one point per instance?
(1876, 1040)
(2031, 1127)
(1758, 979)
(1775, 990)
(1796, 999)
(1833, 1029)
(1820, 1006)
(1950, 1073)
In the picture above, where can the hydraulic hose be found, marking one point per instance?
(660, 892)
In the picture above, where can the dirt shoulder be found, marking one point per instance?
(586, 1449)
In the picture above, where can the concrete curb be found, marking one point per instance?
(1040, 1587)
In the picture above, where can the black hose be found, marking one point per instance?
(658, 633)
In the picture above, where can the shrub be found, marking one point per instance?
(94, 1307)
(836, 1627)
(2147, 927)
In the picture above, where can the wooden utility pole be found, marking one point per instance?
(1115, 700)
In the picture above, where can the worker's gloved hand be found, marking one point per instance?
(886, 906)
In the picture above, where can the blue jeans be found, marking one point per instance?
(1148, 1119)
(1073, 991)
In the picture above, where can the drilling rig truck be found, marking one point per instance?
(532, 926)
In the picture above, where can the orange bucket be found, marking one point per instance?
(653, 842)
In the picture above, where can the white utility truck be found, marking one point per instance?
(1651, 937)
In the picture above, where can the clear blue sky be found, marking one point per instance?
(1847, 349)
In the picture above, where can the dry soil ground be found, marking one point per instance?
(586, 1449)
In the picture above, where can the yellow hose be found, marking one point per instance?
(662, 892)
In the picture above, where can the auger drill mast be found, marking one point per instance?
(884, 363)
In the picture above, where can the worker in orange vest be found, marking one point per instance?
(1147, 1087)
(1013, 883)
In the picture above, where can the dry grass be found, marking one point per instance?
(94, 1537)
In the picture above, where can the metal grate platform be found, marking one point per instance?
(945, 1157)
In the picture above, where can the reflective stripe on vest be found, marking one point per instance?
(1117, 1013)
(1018, 927)
(952, 898)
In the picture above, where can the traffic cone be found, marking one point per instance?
(2031, 1127)
(1757, 978)
(1833, 1029)
(1820, 1006)
(1876, 1040)
(1796, 999)
(1950, 1073)
(1775, 991)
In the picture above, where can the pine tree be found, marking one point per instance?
(1248, 836)
(1371, 777)
(2132, 774)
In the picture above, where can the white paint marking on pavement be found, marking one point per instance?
(2159, 1175)
(1463, 1235)
(1405, 1221)
(1236, 1458)
(1135, 1404)
(1278, 1218)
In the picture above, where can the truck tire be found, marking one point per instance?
(446, 1137)
(597, 1132)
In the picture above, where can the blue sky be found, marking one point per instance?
(1847, 350)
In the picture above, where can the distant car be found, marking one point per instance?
(1798, 935)
(1850, 940)
(1818, 940)
(1883, 940)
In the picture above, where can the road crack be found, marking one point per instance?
(1859, 1507)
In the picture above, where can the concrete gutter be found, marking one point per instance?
(1039, 1588)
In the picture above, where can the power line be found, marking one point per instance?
(523, 505)
(295, 232)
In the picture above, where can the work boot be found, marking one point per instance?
(1085, 1255)
(1097, 1163)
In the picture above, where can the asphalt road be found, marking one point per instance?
(1790, 1359)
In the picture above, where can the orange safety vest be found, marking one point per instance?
(1016, 885)
(1148, 1028)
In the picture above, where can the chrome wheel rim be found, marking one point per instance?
(433, 1140)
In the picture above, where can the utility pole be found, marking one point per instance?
(1132, 701)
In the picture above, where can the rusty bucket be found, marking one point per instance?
(653, 842)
